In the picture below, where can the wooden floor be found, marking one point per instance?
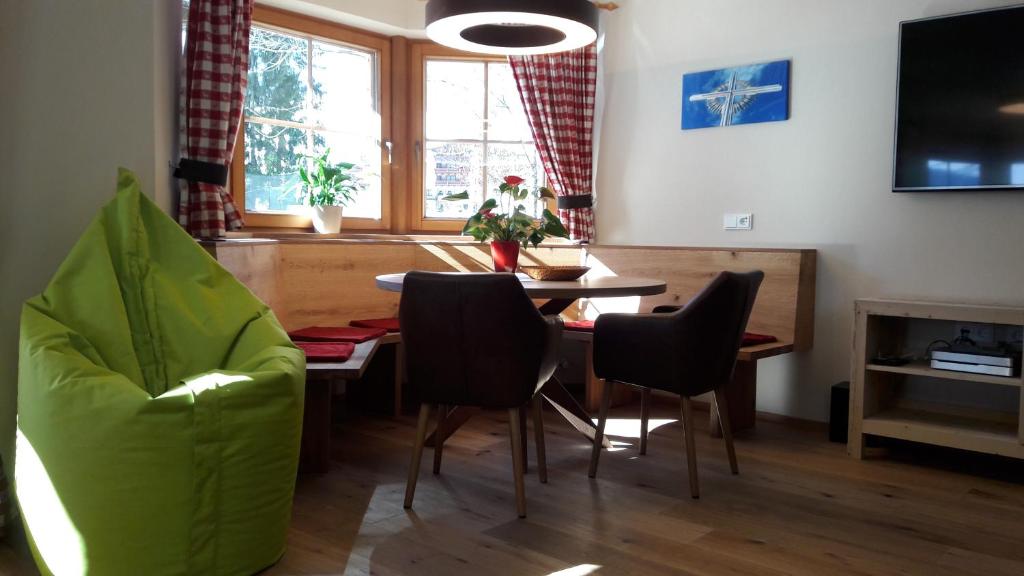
(799, 506)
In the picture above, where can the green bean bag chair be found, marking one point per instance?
(159, 408)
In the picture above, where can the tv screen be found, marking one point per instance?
(960, 103)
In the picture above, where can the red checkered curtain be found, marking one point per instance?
(213, 91)
(558, 92)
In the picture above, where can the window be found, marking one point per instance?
(312, 87)
(316, 85)
(473, 132)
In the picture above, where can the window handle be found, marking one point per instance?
(418, 151)
(390, 146)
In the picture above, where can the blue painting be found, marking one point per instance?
(740, 95)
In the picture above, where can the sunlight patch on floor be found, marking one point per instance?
(630, 427)
(581, 570)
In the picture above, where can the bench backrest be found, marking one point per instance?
(332, 281)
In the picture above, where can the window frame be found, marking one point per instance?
(421, 53)
(308, 27)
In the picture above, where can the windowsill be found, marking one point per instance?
(299, 237)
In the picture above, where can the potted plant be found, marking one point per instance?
(328, 188)
(506, 224)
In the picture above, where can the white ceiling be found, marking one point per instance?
(390, 17)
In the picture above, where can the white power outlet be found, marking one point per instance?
(743, 221)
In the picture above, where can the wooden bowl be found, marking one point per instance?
(555, 273)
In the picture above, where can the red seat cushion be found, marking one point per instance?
(751, 339)
(336, 334)
(389, 324)
(579, 325)
(327, 351)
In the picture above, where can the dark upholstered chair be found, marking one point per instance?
(688, 351)
(476, 340)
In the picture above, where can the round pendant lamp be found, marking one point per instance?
(512, 27)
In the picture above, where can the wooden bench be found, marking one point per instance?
(784, 307)
(309, 282)
(315, 455)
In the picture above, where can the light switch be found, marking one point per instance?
(740, 221)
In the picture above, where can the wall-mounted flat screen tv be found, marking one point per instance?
(960, 103)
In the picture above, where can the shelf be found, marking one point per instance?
(954, 431)
(923, 369)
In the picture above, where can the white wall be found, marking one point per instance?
(820, 180)
(87, 87)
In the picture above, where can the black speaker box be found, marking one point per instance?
(839, 414)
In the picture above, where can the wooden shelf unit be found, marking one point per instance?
(880, 326)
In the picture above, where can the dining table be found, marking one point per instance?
(557, 296)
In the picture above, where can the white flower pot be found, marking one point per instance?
(327, 219)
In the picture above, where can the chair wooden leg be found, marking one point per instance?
(517, 460)
(538, 435)
(721, 406)
(442, 413)
(602, 418)
(417, 453)
(645, 415)
(691, 445)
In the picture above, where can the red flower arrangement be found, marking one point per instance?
(511, 226)
(512, 223)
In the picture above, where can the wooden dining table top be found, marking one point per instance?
(596, 287)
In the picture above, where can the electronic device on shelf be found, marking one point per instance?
(999, 361)
(889, 360)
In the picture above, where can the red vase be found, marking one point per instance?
(505, 254)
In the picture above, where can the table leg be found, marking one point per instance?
(570, 409)
(556, 306)
(553, 391)
(456, 418)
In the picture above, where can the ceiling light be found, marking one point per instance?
(509, 27)
(1017, 108)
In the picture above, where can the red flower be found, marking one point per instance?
(513, 180)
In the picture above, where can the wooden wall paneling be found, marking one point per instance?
(782, 309)
(254, 264)
(803, 336)
(333, 283)
(333, 280)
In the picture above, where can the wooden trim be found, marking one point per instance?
(330, 31)
(401, 163)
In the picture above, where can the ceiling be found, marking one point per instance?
(390, 17)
